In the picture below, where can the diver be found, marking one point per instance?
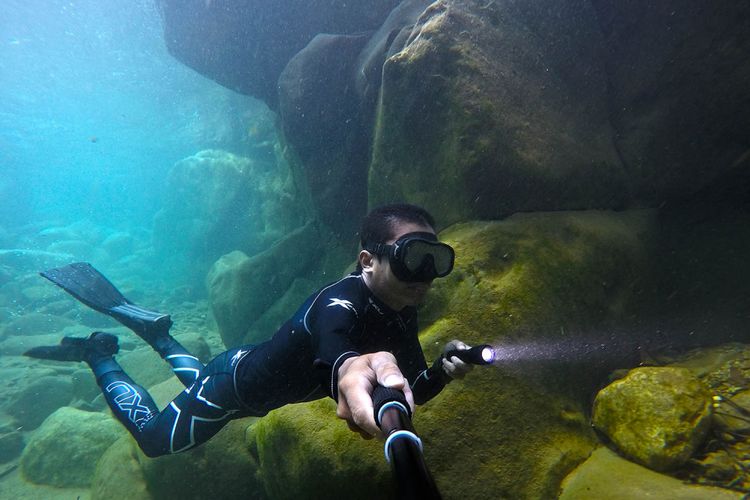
(345, 339)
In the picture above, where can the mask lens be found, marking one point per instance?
(419, 253)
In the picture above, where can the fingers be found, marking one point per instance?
(389, 375)
(455, 344)
(356, 383)
(357, 379)
(455, 368)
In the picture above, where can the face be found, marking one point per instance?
(378, 276)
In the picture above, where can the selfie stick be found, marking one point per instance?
(403, 448)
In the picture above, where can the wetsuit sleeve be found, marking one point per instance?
(333, 328)
(426, 383)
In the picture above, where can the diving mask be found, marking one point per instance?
(417, 257)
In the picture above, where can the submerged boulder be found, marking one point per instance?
(488, 104)
(657, 416)
(536, 286)
(607, 475)
(242, 288)
(65, 449)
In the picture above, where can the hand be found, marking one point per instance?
(358, 377)
(454, 367)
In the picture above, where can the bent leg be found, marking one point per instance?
(193, 417)
(185, 366)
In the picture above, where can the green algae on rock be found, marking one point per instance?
(657, 416)
(516, 429)
(305, 452)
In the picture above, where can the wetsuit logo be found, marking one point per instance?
(236, 358)
(343, 303)
(129, 402)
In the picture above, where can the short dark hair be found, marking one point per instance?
(379, 225)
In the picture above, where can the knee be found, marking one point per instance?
(152, 450)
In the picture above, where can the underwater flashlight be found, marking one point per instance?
(478, 355)
(403, 448)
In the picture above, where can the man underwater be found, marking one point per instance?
(345, 339)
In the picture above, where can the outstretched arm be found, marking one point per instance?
(357, 378)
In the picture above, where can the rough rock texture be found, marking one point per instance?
(657, 416)
(245, 45)
(242, 288)
(606, 475)
(50, 459)
(488, 104)
(330, 148)
(218, 202)
(305, 452)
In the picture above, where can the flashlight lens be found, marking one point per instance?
(488, 355)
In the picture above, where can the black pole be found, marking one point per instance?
(403, 448)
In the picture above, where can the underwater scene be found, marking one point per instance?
(283, 249)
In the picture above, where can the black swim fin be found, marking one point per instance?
(90, 287)
(98, 344)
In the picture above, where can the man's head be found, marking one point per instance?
(380, 224)
(401, 255)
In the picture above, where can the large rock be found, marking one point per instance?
(488, 105)
(322, 123)
(327, 97)
(657, 416)
(120, 465)
(242, 288)
(245, 45)
(65, 449)
(606, 475)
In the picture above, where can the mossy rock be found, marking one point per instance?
(535, 286)
(657, 416)
(306, 452)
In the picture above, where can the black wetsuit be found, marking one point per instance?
(300, 363)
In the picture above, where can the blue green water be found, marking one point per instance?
(95, 112)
